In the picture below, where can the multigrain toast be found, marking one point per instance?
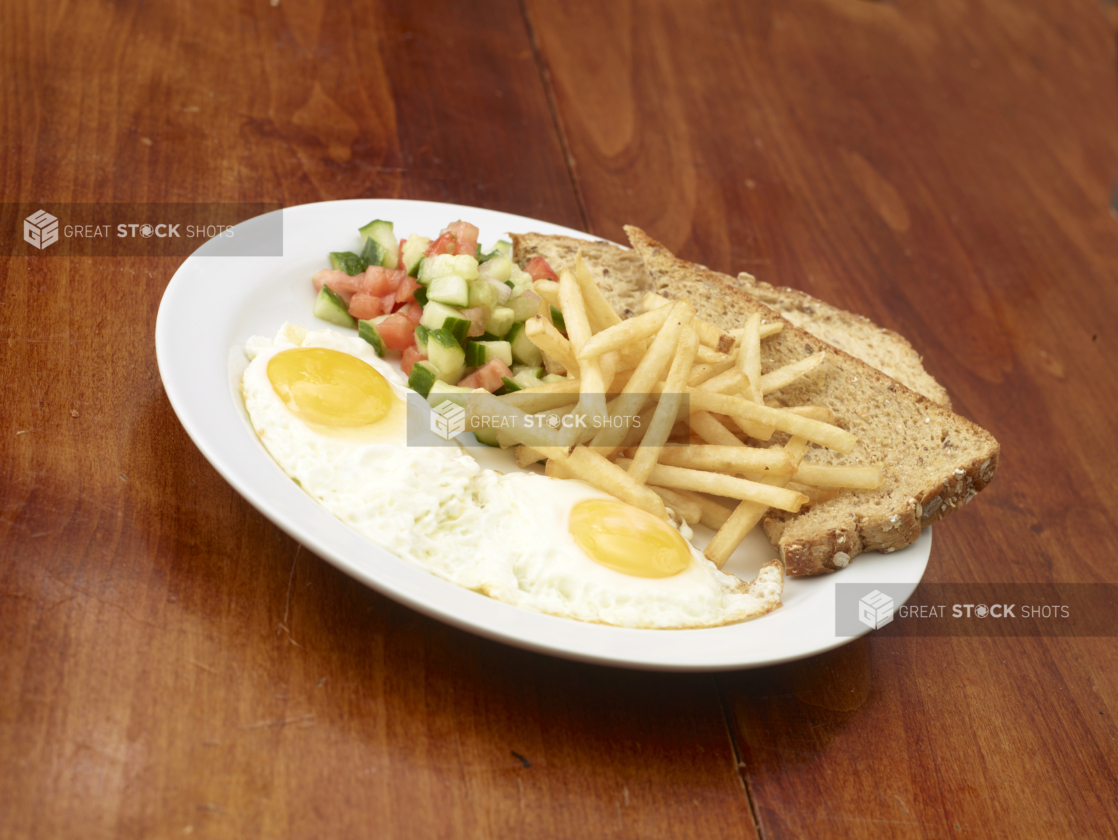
(933, 461)
(622, 276)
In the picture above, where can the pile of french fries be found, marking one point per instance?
(658, 410)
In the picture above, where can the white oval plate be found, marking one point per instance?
(213, 304)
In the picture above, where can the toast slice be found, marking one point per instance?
(622, 276)
(933, 461)
(888, 351)
(948, 460)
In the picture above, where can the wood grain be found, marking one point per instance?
(945, 170)
(172, 664)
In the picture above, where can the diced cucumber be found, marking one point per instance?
(368, 331)
(412, 253)
(348, 262)
(373, 253)
(521, 280)
(451, 290)
(482, 293)
(526, 379)
(461, 265)
(440, 316)
(504, 246)
(423, 375)
(524, 307)
(479, 353)
(500, 321)
(329, 307)
(441, 392)
(557, 320)
(421, 333)
(447, 355)
(382, 232)
(420, 295)
(523, 350)
(499, 268)
(527, 370)
(511, 385)
(552, 377)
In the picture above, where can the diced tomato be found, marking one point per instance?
(487, 376)
(538, 269)
(380, 281)
(466, 236)
(413, 312)
(445, 244)
(388, 302)
(405, 292)
(410, 357)
(397, 331)
(365, 306)
(338, 281)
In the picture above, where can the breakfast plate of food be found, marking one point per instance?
(598, 452)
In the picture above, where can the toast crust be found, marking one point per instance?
(933, 461)
(929, 473)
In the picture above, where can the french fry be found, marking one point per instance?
(747, 514)
(749, 356)
(625, 333)
(667, 408)
(690, 510)
(729, 459)
(708, 356)
(710, 429)
(592, 400)
(767, 329)
(709, 335)
(651, 369)
(526, 456)
(727, 382)
(714, 514)
(602, 315)
(548, 290)
(543, 397)
(774, 380)
(818, 495)
(723, 485)
(779, 419)
(815, 412)
(543, 334)
(701, 373)
(849, 478)
(636, 430)
(610, 478)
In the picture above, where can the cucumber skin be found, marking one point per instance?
(348, 262)
(331, 308)
(422, 376)
(383, 233)
(368, 331)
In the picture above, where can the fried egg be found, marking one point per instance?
(333, 417)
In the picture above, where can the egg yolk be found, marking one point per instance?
(328, 387)
(627, 539)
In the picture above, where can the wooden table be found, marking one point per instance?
(173, 665)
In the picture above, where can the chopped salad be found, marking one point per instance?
(454, 313)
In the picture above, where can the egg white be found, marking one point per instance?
(505, 536)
